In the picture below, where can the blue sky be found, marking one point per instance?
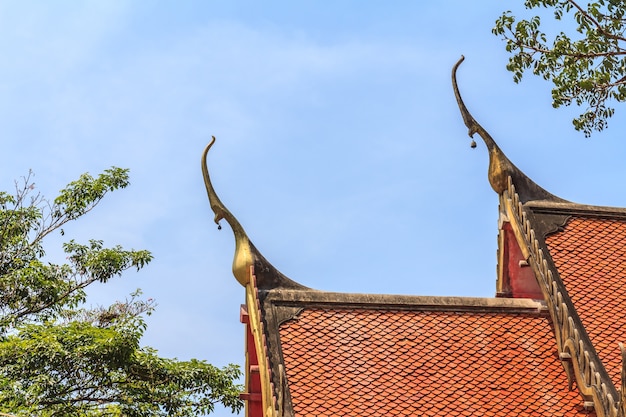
(340, 147)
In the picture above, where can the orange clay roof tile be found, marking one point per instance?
(370, 362)
(590, 255)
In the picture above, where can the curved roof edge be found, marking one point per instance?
(500, 167)
(246, 254)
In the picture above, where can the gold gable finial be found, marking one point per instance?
(499, 164)
(247, 257)
(244, 258)
(500, 167)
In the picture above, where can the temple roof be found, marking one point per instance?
(590, 255)
(317, 353)
(428, 356)
(373, 362)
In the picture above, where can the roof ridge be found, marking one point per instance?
(569, 208)
(413, 302)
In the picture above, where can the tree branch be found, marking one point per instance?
(595, 22)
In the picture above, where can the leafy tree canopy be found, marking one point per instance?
(586, 62)
(59, 359)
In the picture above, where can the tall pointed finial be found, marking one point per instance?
(243, 252)
(499, 164)
(246, 255)
(500, 167)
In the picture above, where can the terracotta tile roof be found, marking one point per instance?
(590, 255)
(375, 362)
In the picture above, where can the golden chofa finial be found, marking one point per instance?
(244, 258)
(500, 167)
(247, 257)
(499, 164)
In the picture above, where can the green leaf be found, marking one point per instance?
(586, 67)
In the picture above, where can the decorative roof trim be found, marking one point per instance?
(246, 254)
(579, 357)
(258, 330)
(500, 167)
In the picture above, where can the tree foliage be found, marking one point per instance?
(586, 63)
(59, 359)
